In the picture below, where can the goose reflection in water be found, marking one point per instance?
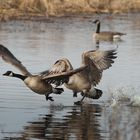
(78, 123)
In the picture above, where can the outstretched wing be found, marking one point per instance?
(97, 61)
(102, 59)
(58, 78)
(8, 57)
(43, 73)
(61, 65)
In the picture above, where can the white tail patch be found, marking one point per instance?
(116, 37)
(92, 91)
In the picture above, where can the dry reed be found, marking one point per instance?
(64, 7)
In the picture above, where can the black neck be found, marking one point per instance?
(98, 28)
(22, 77)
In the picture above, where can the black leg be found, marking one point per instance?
(49, 98)
(74, 94)
(80, 102)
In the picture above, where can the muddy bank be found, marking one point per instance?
(11, 9)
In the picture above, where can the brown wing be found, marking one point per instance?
(111, 33)
(61, 77)
(8, 57)
(102, 59)
(98, 61)
(61, 65)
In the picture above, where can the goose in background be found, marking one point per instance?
(96, 61)
(37, 82)
(106, 35)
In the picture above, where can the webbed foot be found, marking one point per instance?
(78, 103)
(49, 98)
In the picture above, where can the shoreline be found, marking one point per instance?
(45, 9)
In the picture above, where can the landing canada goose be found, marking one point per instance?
(106, 35)
(86, 80)
(37, 83)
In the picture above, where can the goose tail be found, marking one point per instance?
(58, 90)
(94, 93)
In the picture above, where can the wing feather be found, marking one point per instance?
(102, 59)
(112, 33)
(8, 57)
(61, 65)
(98, 61)
(61, 77)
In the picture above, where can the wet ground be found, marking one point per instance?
(25, 115)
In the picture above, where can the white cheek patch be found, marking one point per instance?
(11, 74)
(97, 22)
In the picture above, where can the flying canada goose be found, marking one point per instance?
(86, 80)
(37, 82)
(106, 35)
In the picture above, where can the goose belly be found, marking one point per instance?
(78, 83)
(38, 86)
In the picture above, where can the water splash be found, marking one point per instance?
(124, 95)
(135, 101)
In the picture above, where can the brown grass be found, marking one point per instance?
(17, 8)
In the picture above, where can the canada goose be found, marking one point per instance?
(86, 80)
(36, 83)
(106, 35)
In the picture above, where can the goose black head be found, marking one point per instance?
(9, 73)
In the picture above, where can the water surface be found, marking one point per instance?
(26, 115)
